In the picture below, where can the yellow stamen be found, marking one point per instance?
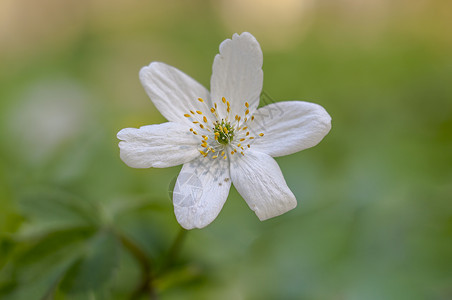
(245, 128)
(247, 111)
(251, 137)
(202, 126)
(195, 122)
(199, 112)
(204, 119)
(192, 112)
(242, 139)
(212, 110)
(225, 130)
(215, 156)
(247, 105)
(247, 133)
(222, 153)
(232, 152)
(252, 118)
(187, 115)
(223, 99)
(248, 146)
(261, 134)
(200, 100)
(238, 145)
(242, 153)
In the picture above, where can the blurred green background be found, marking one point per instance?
(374, 219)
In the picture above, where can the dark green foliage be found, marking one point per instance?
(374, 219)
(96, 265)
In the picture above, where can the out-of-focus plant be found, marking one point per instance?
(70, 246)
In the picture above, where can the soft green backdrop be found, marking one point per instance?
(374, 219)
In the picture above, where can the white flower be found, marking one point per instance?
(221, 137)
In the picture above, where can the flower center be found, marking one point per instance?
(222, 136)
(224, 132)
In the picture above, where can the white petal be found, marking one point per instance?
(258, 178)
(173, 92)
(201, 189)
(159, 146)
(237, 73)
(289, 127)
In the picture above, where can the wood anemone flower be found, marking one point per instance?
(221, 137)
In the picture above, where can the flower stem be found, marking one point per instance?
(174, 250)
(146, 286)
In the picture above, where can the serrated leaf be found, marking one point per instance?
(53, 243)
(57, 209)
(38, 280)
(40, 264)
(95, 267)
(38, 268)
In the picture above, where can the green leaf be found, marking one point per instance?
(95, 267)
(39, 264)
(6, 247)
(53, 244)
(183, 275)
(37, 280)
(121, 207)
(51, 208)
